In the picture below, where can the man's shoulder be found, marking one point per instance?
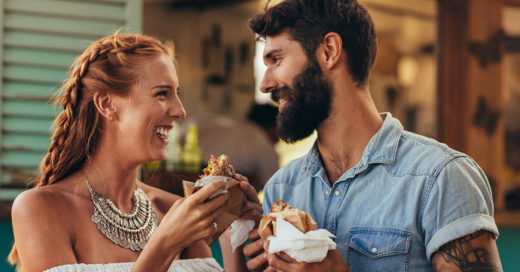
(421, 155)
(290, 173)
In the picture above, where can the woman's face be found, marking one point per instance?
(146, 117)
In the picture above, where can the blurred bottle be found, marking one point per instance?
(191, 154)
(174, 152)
(154, 166)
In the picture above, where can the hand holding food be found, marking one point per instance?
(220, 169)
(294, 232)
(300, 219)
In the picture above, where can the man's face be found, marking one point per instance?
(298, 85)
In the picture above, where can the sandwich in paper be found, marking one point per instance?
(300, 219)
(294, 232)
(220, 169)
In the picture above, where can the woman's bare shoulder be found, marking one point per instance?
(41, 203)
(41, 220)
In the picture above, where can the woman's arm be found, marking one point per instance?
(197, 250)
(236, 261)
(233, 261)
(187, 222)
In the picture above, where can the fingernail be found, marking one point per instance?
(264, 255)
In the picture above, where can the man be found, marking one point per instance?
(395, 201)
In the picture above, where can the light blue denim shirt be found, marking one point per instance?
(407, 196)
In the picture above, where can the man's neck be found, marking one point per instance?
(344, 135)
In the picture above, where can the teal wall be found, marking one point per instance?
(6, 241)
(507, 246)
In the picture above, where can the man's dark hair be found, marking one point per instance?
(308, 21)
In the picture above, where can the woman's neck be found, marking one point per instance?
(110, 175)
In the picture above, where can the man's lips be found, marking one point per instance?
(281, 94)
(281, 104)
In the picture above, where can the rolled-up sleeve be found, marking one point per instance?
(459, 203)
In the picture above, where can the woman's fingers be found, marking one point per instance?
(208, 190)
(250, 192)
(240, 177)
(251, 206)
(219, 208)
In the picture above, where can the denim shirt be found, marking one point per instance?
(407, 196)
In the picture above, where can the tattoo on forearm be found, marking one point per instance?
(468, 256)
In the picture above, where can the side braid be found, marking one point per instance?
(50, 166)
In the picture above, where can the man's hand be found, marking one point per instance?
(251, 208)
(255, 252)
(282, 262)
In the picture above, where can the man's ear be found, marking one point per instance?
(105, 105)
(330, 50)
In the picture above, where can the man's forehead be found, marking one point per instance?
(279, 42)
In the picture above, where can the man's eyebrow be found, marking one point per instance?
(270, 54)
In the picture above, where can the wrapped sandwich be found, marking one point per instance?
(294, 232)
(219, 169)
(300, 219)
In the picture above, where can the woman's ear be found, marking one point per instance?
(105, 105)
(330, 50)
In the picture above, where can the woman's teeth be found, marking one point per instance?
(162, 132)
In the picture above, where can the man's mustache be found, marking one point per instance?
(281, 93)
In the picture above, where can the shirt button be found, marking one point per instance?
(374, 250)
(336, 193)
(327, 192)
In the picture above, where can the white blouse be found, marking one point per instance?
(186, 265)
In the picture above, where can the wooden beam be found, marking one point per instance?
(470, 84)
(511, 2)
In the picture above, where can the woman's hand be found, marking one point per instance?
(252, 208)
(191, 219)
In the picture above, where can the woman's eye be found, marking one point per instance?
(162, 93)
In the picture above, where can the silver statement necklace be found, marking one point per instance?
(128, 230)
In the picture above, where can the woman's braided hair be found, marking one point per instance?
(110, 65)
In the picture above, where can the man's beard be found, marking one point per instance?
(307, 103)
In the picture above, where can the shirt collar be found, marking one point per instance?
(382, 147)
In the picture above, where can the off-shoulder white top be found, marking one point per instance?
(186, 265)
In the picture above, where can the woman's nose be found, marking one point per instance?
(176, 109)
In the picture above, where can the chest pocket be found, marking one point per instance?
(378, 249)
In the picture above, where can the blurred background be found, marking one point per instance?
(448, 69)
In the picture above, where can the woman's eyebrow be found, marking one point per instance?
(162, 87)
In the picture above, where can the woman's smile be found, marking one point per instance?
(163, 133)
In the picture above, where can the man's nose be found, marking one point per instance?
(268, 84)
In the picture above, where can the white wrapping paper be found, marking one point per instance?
(307, 247)
(239, 233)
(207, 180)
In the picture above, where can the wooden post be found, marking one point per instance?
(470, 95)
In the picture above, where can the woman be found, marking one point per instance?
(119, 105)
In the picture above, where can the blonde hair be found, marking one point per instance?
(108, 64)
